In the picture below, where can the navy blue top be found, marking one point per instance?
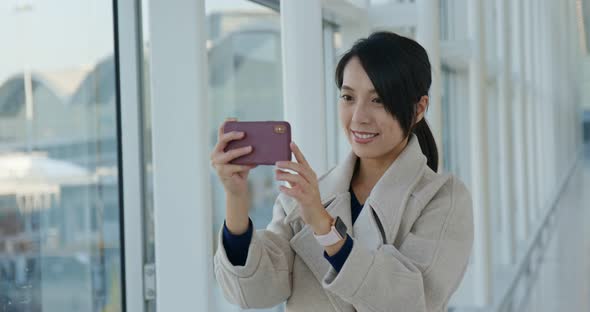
(236, 246)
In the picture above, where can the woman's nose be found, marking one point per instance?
(361, 114)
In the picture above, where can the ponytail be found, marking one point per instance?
(427, 143)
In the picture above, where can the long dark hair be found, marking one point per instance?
(400, 71)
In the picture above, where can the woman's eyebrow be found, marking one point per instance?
(345, 87)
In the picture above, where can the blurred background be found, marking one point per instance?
(109, 111)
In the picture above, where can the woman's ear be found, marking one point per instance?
(421, 107)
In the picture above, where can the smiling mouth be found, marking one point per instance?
(364, 135)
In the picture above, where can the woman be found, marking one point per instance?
(382, 231)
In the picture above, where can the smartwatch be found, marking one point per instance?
(336, 234)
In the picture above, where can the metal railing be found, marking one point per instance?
(530, 262)
(528, 265)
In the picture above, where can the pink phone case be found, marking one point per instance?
(269, 139)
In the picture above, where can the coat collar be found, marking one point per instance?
(400, 173)
(387, 198)
(390, 193)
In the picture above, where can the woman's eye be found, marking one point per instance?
(377, 100)
(346, 97)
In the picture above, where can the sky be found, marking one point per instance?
(54, 35)
(63, 34)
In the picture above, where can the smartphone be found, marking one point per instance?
(269, 140)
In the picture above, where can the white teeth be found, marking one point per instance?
(364, 136)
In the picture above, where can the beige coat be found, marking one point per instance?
(412, 243)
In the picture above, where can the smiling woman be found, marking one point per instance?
(381, 229)
(109, 111)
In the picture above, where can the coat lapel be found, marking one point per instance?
(389, 196)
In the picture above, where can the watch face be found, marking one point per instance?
(340, 227)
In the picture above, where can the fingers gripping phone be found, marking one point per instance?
(269, 140)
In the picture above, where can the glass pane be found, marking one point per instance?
(244, 50)
(59, 199)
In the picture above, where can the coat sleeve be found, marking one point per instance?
(424, 272)
(265, 279)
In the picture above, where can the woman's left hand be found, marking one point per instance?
(304, 188)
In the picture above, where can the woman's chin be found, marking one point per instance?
(363, 152)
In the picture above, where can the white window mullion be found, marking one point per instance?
(129, 62)
(181, 165)
(519, 122)
(478, 150)
(303, 78)
(505, 132)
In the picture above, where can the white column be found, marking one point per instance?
(558, 125)
(533, 113)
(181, 164)
(303, 78)
(567, 64)
(560, 143)
(539, 114)
(530, 113)
(505, 131)
(520, 114)
(547, 41)
(428, 35)
(578, 72)
(544, 138)
(575, 67)
(478, 150)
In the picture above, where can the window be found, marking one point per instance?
(59, 188)
(245, 82)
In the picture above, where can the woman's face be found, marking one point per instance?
(370, 129)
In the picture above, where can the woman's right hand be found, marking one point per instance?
(233, 177)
